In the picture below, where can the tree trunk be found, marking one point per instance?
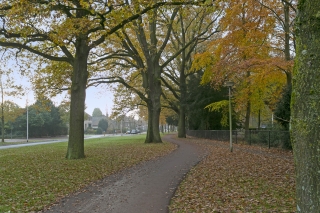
(182, 102)
(153, 133)
(248, 111)
(247, 120)
(182, 123)
(154, 105)
(78, 94)
(154, 94)
(259, 119)
(287, 41)
(149, 137)
(305, 121)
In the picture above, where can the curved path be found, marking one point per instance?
(145, 188)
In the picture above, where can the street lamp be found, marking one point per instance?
(230, 84)
(27, 122)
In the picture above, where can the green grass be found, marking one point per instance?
(32, 178)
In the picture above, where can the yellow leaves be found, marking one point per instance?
(242, 54)
(205, 62)
(85, 3)
(202, 60)
(54, 75)
(11, 111)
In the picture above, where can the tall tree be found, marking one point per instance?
(198, 97)
(71, 32)
(283, 48)
(43, 120)
(194, 26)
(143, 57)
(283, 42)
(242, 54)
(97, 112)
(103, 124)
(305, 129)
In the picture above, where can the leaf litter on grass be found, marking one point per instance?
(35, 177)
(250, 179)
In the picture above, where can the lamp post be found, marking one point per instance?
(121, 126)
(230, 84)
(27, 122)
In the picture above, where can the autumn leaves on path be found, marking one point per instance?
(147, 187)
(251, 179)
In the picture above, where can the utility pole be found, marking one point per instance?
(230, 84)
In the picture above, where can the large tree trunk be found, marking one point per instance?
(149, 137)
(182, 109)
(182, 123)
(247, 120)
(287, 54)
(305, 121)
(154, 106)
(78, 94)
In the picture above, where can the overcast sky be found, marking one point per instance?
(97, 97)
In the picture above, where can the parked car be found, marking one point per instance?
(133, 131)
(128, 132)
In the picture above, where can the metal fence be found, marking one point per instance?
(270, 138)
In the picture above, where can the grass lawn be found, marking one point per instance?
(34, 177)
(251, 179)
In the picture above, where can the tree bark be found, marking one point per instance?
(149, 136)
(182, 102)
(305, 120)
(287, 54)
(154, 105)
(247, 120)
(78, 95)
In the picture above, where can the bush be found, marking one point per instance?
(99, 131)
(276, 137)
(90, 131)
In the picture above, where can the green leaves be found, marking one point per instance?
(220, 106)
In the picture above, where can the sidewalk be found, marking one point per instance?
(145, 188)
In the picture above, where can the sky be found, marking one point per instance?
(96, 97)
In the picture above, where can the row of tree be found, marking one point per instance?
(43, 119)
(251, 45)
(76, 41)
(148, 48)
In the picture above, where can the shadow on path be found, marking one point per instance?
(145, 188)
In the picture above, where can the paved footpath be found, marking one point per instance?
(145, 188)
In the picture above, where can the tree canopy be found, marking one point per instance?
(74, 33)
(97, 112)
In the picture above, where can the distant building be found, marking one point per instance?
(114, 126)
(93, 122)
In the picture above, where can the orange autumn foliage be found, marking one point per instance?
(244, 54)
